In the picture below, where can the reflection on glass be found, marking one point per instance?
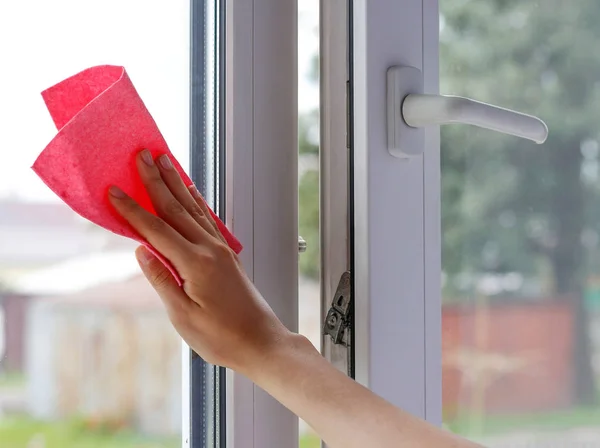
(87, 355)
(521, 223)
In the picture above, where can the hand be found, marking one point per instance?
(217, 311)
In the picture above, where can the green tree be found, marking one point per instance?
(308, 189)
(509, 205)
(308, 223)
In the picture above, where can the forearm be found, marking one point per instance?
(342, 412)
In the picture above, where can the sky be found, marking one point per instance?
(42, 42)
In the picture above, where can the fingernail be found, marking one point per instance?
(194, 191)
(166, 162)
(144, 256)
(116, 192)
(147, 157)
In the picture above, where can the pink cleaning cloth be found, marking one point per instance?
(102, 125)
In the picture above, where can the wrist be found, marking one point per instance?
(281, 356)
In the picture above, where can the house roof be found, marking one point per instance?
(36, 214)
(77, 274)
(34, 234)
(134, 292)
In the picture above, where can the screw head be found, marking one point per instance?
(332, 320)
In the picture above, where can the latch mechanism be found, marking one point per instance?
(337, 323)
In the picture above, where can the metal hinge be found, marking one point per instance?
(338, 320)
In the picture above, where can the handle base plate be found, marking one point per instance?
(403, 141)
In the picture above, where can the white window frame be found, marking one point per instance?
(262, 190)
(397, 245)
(396, 203)
(395, 231)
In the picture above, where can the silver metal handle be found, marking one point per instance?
(409, 110)
(422, 110)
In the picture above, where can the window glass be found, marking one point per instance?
(521, 223)
(308, 176)
(87, 355)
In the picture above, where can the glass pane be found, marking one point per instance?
(87, 355)
(521, 223)
(207, 385)
(308, 175)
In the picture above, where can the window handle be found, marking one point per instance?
(422, 110)
(409, 110)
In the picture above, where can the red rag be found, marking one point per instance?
(102, 125)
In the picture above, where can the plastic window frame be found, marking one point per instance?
(393, 205)
(396, 203)
(261, 144)
(392, 244)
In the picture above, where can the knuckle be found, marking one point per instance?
(223, 251)
(155, 180)
(196, 212)
(131, 206)
(160, 278)
(205, 258)
(205, 223)
(174, 207)
(156, 224)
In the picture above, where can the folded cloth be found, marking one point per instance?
(102, 125)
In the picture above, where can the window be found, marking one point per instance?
(206, 384)
(520, 227)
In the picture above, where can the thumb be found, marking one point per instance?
(157, 274)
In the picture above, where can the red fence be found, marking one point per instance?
(507, 357)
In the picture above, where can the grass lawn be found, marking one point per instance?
(21, 432)
(310, 442)
(10, 380)
(500, 424)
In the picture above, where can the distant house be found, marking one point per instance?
(106, 352)
(34, 236)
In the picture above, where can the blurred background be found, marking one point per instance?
(87, 357)
(521, 223)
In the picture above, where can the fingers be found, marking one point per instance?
(167, 206)
(155, 230)
(176, 301)
(196, 209)
(202, 204)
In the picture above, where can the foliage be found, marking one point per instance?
(308, 223)
(11, 380)
(310, 442)
(516, 422)
(22, 432)
(509, 205)
(308, 126)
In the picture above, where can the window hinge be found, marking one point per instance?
(338, 320)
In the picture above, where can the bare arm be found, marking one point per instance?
(220, 314)
(341, 411)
